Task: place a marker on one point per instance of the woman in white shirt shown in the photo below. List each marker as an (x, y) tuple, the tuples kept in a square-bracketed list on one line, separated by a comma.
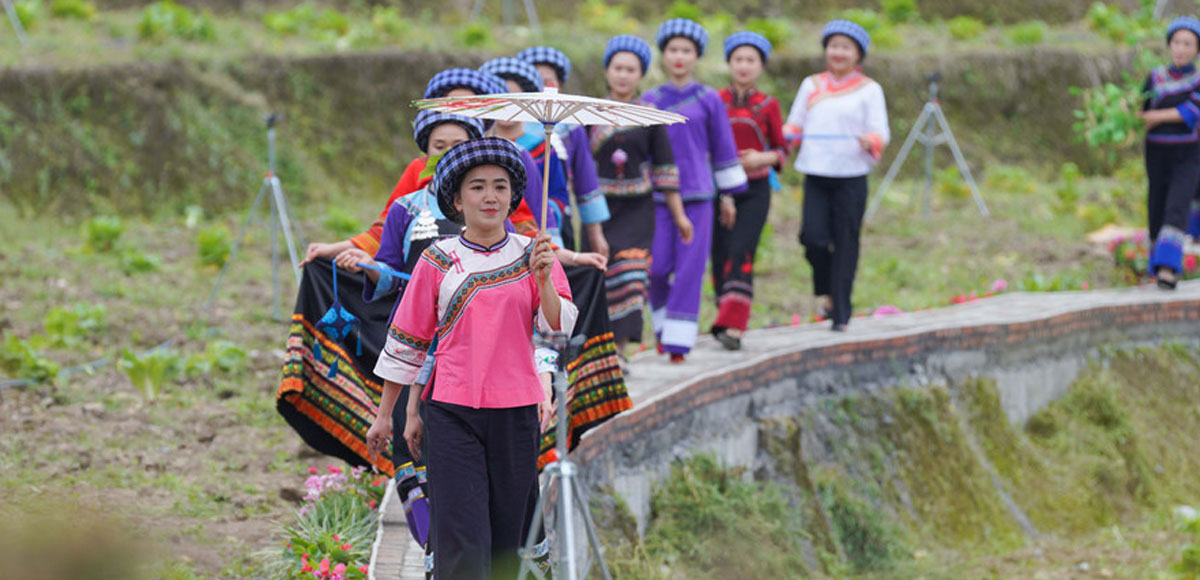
[(841, 119)]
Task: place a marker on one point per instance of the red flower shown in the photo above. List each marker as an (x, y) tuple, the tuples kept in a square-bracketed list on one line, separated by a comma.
[(363, 568), (1189, 263), (1084, 286), (378, 481), (335, 538), (324, 569), (1130, 255), (334, 469), (346, 547), (306, 566), (313, 470), (371, 504)]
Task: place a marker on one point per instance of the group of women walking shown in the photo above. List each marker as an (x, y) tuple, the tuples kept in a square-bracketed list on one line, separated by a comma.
[(444, 385)]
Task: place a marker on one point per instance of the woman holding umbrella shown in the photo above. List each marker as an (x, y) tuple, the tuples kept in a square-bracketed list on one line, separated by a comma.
[(481, 294), (707, 159)]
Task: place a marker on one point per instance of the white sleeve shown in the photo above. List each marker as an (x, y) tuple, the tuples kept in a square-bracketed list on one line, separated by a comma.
[(800, 105), (877, 117)]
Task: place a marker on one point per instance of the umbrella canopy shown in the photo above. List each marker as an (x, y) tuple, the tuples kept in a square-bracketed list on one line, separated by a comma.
[(550, 108)]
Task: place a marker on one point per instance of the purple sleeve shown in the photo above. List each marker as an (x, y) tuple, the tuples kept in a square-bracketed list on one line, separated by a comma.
[(722, 149), (391, 252), (592, 206)]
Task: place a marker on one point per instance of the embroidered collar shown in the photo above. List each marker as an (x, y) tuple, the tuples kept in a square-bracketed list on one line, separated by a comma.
[(1177, 72), (684, 90), (837, 83), (480, 247), (742, 99)]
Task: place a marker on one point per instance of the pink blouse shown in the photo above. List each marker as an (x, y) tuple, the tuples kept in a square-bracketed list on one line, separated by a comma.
[(483, 303)]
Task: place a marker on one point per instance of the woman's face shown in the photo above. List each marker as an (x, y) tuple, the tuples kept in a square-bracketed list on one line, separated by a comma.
[(623, 74), (445, 136), (745, 65), (485, 197), (549, 75), (1184, 47), (841, 54), (680, 56)]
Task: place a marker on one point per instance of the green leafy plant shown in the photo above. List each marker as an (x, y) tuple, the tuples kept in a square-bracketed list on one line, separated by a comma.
[(340, 223), (870, 20), (213, 245), (73, 9), (103, 232), (1027, 33), (166, 19), (475, 35), (964, 28), (950, 183), (1188, 565), (19, 358), (135, 261), (387, 22), (775, 30), (901, 11), (1066, 193), (69, 327), (1109, 117), (684, 9), (29, 12), (151, 371), (226, 356), (1114, 24)]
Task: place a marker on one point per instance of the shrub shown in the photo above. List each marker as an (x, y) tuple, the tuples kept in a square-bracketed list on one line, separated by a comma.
[(966, 27), (775, 30), (684, 9), (103, 232), (340, 223), (213, 246), (29, 12), (475, 35), (1027, 33), (166, 19), (901, 10), (73, 9), (388, 22), (868, 19)]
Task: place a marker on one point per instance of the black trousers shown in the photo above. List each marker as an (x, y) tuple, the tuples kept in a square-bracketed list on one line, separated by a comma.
[(830, 229), (483, 466), (1173, 172), (733, 253)]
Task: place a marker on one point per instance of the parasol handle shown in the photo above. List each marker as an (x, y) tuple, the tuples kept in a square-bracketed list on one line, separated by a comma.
[(545, 178)]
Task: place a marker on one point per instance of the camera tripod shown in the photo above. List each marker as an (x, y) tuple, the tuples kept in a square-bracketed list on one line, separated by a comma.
[(280, 218), (16, 21), (931, 129), (570, 495)]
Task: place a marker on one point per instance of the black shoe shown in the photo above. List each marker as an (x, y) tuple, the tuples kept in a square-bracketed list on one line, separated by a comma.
[(1167, 279), (726, 340), (839, 327)]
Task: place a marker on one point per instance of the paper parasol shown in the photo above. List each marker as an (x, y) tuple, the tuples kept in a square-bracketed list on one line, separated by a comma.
[(550, 108)]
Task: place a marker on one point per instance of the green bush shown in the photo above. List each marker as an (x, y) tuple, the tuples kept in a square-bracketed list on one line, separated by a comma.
[(475, 35), (966, 27), (340, 223), (73, 9), (684, 9), (387, 22), (213, 245), (1117, 26), (901, 10), (166, 19), (68, 327), (774, 29), (20, 359), (135, 261), (151, 371), (1027, 33), (1067, 191), (29, 12), (103, 232)]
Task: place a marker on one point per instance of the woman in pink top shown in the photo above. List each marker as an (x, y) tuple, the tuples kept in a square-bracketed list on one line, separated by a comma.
[(481, 294)]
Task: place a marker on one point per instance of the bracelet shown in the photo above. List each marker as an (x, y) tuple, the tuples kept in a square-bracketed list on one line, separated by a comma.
[(574, 258)]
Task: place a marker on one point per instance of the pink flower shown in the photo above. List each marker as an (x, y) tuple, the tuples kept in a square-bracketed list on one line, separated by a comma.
[(363, 568), (324, 569), (336, 539), (796, 320), (1189, 263), (334, 469), (1084, 286), (306, 566), (313, 470), (346, 547), (1000, 285), (887, 310), (339, 570)]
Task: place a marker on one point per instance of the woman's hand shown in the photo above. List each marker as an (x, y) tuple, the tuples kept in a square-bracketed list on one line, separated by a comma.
[(597, 261), (1152, 118), (378, 435), (686, 230), (414, 433), (753, 159), (349, 260), (728, 212), (542, 259), (319, 250), (595, 233)]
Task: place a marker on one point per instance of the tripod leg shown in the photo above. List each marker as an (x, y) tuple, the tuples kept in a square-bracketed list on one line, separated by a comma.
[(593, 538), (286, 223), (16, 22), (927, 196), (527, 565), (917, 129), (212, 295), (531, 14), (274, 254), (962, 162)]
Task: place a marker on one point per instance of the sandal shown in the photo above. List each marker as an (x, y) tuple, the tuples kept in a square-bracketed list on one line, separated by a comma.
[(727, 340)]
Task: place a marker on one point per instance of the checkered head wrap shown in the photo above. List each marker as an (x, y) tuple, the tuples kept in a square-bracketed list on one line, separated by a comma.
[(747, 38), (689, 29), (1183, 23), (511, 69), (628, 43), (549, 56), (846, 28), (460, 159), (463, 78), (429, 120)]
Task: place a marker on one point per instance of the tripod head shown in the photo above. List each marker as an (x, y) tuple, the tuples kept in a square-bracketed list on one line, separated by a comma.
[(933, 78), (272, 118)]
